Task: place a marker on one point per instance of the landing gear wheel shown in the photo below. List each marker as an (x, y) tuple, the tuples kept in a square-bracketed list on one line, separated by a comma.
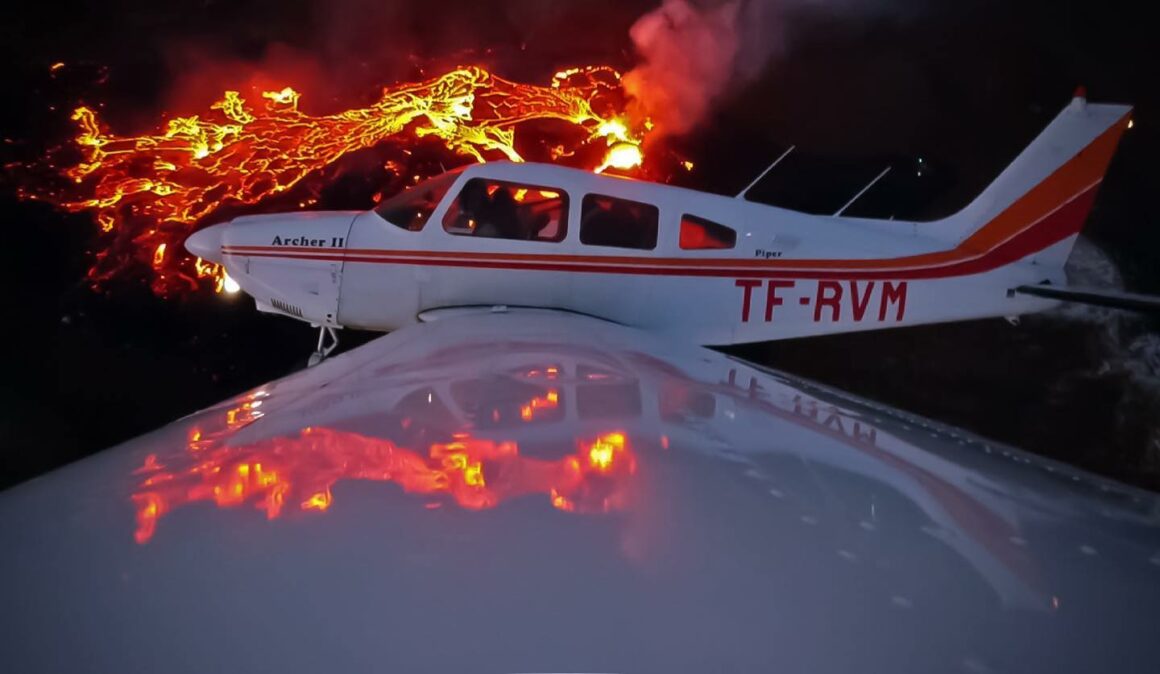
[(325, 347)]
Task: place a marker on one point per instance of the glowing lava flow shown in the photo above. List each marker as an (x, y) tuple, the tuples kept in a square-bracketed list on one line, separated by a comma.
[(300, 471), (147, 192)]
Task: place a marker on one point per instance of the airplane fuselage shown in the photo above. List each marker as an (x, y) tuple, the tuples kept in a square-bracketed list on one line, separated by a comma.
[(787, 275), (712, 269)]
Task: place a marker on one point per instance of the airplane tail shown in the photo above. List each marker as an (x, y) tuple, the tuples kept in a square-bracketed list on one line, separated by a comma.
[(1036, 208)]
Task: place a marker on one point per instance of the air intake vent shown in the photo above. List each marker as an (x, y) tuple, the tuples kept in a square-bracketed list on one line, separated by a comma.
[(285, 307)]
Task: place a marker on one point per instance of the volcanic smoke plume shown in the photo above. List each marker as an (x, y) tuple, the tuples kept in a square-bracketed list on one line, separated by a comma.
[(695, 52), (688, 59)]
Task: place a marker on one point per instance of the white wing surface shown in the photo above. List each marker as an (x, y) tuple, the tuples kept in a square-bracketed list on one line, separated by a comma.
[(536, 491)]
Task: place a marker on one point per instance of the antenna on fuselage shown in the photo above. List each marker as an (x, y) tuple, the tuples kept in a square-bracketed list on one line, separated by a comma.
[(741, 195), (863, 191)]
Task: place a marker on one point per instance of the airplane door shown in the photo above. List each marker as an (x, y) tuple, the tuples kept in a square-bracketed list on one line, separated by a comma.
[(500, 242)]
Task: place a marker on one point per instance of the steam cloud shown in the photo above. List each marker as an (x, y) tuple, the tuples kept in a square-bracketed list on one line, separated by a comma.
[(694, 52), (689, 56)]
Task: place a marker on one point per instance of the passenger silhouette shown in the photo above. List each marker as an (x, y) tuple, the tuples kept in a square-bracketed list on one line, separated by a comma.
[(504, 215)]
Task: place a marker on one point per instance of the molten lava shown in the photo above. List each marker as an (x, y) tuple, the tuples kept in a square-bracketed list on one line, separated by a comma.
[(300, 470), (147, 192)]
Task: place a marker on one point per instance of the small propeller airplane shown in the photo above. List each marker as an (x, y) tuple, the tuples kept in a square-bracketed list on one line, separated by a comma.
[(707, 268)]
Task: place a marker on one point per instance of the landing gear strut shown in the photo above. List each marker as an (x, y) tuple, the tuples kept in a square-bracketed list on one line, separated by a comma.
[(325, 346)]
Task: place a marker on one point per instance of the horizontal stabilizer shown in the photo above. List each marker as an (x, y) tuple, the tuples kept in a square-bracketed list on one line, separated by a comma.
[(1097, 297)]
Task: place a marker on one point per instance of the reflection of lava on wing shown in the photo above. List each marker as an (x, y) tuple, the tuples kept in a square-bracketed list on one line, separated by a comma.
[(152, 189), (299, 471)]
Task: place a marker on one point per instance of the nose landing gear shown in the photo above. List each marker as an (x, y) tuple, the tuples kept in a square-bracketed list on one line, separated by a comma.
[(325, 346)]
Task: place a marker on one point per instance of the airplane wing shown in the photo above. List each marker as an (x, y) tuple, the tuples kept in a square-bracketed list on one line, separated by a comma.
[(535, 491)]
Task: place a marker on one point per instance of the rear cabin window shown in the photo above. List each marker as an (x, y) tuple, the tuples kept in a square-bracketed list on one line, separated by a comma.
[(619, 223), (701, 234), (502, 210), (410, 209), (601, 394)]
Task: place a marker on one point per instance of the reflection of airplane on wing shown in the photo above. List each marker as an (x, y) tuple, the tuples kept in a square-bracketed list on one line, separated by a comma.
[(561, 493), (531, 489), (527, 395), (707, 268)]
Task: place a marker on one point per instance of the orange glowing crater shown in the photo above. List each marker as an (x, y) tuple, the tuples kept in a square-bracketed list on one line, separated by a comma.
[(151, 189), (300, 471)]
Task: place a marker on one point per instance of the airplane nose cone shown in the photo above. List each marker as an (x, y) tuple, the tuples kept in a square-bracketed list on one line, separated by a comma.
[(207, 243)]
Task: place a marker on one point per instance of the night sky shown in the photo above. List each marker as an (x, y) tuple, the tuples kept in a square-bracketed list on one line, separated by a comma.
[(856, 86)]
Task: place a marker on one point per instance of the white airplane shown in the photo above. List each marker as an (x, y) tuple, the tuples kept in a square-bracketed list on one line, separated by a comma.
[(539, 490), (704, 268)]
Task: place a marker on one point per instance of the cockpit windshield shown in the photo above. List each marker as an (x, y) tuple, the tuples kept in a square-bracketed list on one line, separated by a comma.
[(411, 208)]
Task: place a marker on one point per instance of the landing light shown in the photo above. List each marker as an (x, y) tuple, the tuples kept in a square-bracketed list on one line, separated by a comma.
[(229, 285)]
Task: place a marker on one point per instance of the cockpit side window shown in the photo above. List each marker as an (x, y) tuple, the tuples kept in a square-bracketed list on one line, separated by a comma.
[(619, 223), (410, 209), (701, 234), (503, 210)]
